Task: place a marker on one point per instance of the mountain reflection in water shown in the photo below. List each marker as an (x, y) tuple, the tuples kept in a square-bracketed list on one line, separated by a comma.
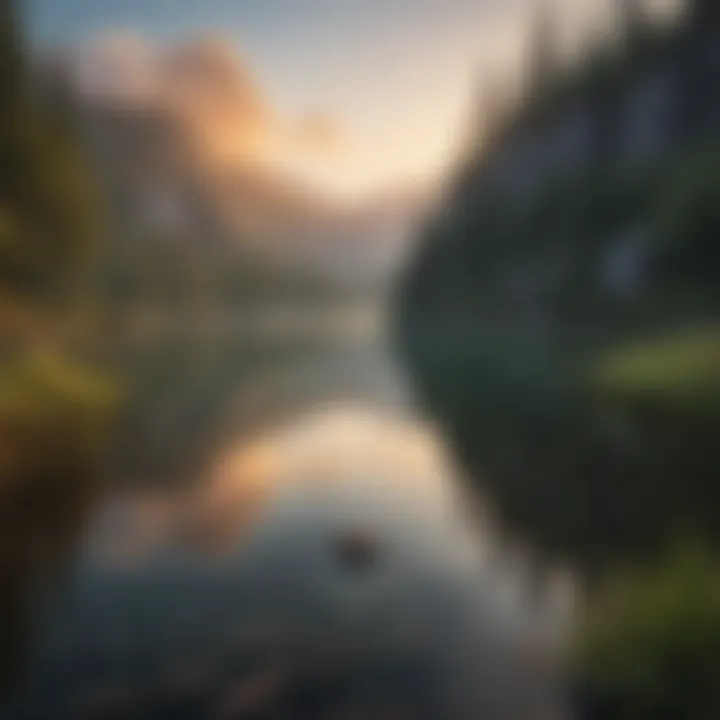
[(224, 596)]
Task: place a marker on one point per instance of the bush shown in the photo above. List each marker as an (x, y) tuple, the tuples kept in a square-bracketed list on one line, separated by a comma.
[(54, 419), (650, 645), (688, 221), (679, 373)]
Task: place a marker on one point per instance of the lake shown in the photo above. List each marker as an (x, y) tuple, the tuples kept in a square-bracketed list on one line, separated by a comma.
[(282, 534)]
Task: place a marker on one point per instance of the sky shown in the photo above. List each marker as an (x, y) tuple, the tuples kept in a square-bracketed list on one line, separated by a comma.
[(403, 78)]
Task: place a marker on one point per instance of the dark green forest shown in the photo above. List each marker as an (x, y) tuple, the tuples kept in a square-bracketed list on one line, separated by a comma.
[(581, 386), (50, 231), (55, 406)]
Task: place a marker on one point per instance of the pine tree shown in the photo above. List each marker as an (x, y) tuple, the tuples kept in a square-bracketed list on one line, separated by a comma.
[(634, 26), (12, 87), (46, 198), (493, 108), (697, 79), (705, 14), (11, 58), (542, 57)]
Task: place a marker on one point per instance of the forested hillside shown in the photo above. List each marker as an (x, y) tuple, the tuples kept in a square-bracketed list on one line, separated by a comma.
[(563, 322), (54, 408), (580, 237)]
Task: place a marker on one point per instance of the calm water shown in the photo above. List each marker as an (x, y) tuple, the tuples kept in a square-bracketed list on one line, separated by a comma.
[(284, 536)]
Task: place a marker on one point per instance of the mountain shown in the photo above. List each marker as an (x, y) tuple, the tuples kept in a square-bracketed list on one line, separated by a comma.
[(188, 147)]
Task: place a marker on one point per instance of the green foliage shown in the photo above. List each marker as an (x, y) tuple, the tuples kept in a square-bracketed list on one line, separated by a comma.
[(41, 383), (594, 431), (584, 423), (53, 414), (688, 219), (48, 221), (678, 373), (54, 419), (650, 645)]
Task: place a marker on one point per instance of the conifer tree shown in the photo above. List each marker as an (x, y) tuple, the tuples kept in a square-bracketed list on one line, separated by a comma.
[(634, 26), (705, 14), (542, 58), (46, 199)]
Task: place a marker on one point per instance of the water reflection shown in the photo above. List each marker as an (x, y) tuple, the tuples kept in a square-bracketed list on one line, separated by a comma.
[(231, 595)]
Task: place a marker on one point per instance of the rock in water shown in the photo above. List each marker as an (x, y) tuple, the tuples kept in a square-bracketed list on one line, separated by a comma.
[(357, 550)]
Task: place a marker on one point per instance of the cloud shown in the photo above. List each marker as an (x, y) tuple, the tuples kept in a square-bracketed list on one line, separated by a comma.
[(205, 89)]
